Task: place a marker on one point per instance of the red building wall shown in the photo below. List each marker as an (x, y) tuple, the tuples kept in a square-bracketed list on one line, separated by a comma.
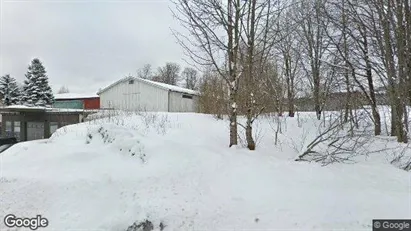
[(92, 103)]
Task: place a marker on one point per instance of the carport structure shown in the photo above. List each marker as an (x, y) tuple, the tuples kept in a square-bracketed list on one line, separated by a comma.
[(31, 123)]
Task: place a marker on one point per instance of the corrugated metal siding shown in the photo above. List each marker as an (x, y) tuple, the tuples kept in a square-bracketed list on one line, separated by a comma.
[(136, 96), (72, 104), (180, 104), (92, 103)]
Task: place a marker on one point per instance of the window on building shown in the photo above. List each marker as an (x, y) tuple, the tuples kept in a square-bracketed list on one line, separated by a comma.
[(9, 130), (131, 81), (187, 96), (17, 129), (53, 127)]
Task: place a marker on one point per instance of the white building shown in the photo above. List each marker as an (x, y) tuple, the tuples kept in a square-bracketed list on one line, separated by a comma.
[(133, 93)]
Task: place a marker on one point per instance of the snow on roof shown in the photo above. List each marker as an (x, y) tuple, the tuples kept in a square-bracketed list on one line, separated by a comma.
[(75, 96), (48, 109), (171, 87), (154, 83), (26, 107), (58, 110)]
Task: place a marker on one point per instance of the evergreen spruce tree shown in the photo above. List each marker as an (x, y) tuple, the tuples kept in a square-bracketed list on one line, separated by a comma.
[(10, 90), (37, 91)]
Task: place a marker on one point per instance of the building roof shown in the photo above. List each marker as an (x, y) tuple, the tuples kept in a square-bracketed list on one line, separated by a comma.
[(153, 83), (24, 108), (75, 96)]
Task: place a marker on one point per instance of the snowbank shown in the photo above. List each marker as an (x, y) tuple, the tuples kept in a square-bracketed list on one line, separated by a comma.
[(177, 169)]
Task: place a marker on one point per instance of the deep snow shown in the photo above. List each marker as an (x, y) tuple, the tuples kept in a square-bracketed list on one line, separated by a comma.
[(177, 169)]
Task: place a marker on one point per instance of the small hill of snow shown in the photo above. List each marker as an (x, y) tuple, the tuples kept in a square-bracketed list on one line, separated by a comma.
[(176, 170)]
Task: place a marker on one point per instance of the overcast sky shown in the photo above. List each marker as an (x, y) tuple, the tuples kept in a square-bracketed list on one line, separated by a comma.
[(86, 44)]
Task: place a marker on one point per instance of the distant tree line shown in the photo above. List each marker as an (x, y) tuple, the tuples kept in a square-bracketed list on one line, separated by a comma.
[(171, 74), (35, 90), (63, 89)]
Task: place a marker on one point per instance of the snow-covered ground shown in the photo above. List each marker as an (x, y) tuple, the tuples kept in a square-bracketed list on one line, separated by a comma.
[(177, 169)]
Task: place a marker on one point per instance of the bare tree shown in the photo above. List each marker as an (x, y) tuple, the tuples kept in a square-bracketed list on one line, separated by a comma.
[(258, 39), (214, 28), (213, 94), (312, 34), (63, 89), (289, 48), (261, 50), (407, 10), (390, 37), (145, 72), (274, 87), (190, 76), (249, 25), (169, 73), (351, 36)]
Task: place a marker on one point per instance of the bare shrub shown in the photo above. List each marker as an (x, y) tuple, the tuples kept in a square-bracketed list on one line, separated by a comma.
[(299, 145), (145, 225), (149, 118), (141, 226), (108, 114), (154, 120), (213, 95), (402, 157), (119, 117), (277, 124), (336, 142), (59, 132), (257, 134), (163, 124)]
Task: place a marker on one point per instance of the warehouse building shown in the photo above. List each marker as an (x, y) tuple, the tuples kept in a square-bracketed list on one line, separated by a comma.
[(77, 101), (136, 94)]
